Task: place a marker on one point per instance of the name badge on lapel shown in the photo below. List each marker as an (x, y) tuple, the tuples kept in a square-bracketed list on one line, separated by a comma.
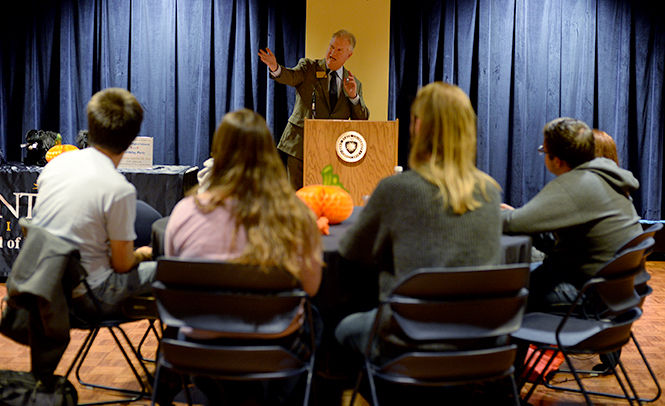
[(320, 74)]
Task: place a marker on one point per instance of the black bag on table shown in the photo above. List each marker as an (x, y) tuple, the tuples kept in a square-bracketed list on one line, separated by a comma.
[(21, 388)]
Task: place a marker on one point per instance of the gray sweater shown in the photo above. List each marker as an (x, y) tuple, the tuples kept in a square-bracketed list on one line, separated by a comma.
[(591, 213), (404, 226)]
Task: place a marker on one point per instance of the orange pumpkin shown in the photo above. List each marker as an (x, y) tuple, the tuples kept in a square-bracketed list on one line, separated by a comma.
[(328, 201), (59, 148)]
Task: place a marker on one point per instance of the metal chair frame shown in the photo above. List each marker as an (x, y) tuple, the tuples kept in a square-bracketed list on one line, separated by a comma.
[(600, 332), (94, 326)]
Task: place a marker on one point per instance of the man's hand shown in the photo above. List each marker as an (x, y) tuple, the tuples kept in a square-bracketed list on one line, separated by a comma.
[(350, 86), (268, 58), (143, 253), (506, 207), (124, 257)]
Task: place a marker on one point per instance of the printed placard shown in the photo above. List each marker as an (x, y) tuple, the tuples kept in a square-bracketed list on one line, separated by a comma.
[(138, 155)]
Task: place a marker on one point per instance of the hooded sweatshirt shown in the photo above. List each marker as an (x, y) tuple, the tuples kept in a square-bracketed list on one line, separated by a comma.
[(590, 212)]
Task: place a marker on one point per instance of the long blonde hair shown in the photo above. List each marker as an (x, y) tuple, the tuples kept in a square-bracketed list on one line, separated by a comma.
[(248, 177), (443, 148)]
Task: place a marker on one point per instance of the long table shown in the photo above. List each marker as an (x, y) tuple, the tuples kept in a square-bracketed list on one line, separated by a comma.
[(161, 187)]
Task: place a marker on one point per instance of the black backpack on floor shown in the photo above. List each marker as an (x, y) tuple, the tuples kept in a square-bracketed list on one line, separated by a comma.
[(21, 388)]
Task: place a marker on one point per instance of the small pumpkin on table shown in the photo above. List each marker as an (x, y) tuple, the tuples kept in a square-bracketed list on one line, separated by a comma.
[(59, 148), (329, 201)]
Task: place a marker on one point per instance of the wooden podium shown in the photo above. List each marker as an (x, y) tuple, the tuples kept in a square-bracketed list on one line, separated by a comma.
[(336, 143)]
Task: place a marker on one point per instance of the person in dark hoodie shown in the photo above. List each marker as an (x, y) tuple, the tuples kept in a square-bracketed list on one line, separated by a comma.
[(587, 208)]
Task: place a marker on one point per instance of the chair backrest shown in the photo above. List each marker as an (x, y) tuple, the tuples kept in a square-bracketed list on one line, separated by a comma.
[(145, 216), (460, 303), (464, 282), (226, 297), (614, 284), (627, 259), (643, 276), (463, 316), (242, 301), (648, 232)]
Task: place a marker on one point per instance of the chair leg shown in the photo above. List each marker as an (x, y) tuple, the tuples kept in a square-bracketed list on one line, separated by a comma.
[(577, 379), (653, 376), (372, 385), (634, 396), (151, 328), (155, 386), (82, 354), (582, 390), (308, 383), (356, 388), (541, 378), (188, 393), (136, 353), (83, 347), (516, 394), (628, 381)]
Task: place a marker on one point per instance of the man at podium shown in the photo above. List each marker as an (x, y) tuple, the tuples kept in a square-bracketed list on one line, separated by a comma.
[(324, 89)]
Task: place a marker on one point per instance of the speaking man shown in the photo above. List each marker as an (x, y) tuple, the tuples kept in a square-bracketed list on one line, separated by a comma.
[(324, 89)]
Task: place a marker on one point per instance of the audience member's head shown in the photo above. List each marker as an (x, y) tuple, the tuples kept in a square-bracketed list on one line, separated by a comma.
[(570, 140), (114, 119), (248, 175), (245, 158), (605, 146), (443, 138)]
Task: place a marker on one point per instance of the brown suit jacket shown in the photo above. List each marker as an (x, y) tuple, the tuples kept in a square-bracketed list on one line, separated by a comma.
[(310, 77)]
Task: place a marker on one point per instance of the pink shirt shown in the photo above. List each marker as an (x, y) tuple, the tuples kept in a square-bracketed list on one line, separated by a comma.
[(192, 234)]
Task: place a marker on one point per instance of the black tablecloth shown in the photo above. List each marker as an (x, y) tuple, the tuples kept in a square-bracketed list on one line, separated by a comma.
[(160, 186)]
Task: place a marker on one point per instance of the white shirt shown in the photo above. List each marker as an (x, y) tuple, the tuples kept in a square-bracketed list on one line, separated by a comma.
[(83, 199)]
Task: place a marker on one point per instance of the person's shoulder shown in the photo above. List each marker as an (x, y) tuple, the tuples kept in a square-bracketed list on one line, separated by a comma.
[(405, 182), (185, 204), (492, 187)]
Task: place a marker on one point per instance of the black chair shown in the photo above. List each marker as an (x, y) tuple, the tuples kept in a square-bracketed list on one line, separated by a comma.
[(233, 299), (598, 322), (42, 258), (145, 216), (641, 287), (142, 307), (473, 310), (643, 277)]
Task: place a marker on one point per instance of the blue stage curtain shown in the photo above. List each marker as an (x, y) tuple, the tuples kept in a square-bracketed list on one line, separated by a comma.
[(187, 62), (526, 62)]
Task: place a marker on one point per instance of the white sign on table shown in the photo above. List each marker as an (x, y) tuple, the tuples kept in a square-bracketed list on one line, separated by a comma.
[(138, 155)]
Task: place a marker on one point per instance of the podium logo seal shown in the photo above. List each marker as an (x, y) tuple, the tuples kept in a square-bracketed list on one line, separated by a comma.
[(351, 146)]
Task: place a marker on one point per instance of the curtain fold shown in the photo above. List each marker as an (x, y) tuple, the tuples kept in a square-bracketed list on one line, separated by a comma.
[(187, 62), (524, 63)]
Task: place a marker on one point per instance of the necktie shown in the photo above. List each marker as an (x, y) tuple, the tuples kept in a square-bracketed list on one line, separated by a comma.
[(333, 89)]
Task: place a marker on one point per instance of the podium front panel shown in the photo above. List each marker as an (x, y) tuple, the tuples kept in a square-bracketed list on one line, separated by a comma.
[(358, 178)]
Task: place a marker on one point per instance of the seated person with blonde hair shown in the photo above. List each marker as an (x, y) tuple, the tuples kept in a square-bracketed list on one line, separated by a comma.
[(247, 212)]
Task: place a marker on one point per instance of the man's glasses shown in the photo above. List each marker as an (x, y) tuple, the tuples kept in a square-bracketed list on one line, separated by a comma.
[(541, 150)]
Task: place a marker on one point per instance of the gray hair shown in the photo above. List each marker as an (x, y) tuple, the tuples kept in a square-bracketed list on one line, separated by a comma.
[(347, 36)]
